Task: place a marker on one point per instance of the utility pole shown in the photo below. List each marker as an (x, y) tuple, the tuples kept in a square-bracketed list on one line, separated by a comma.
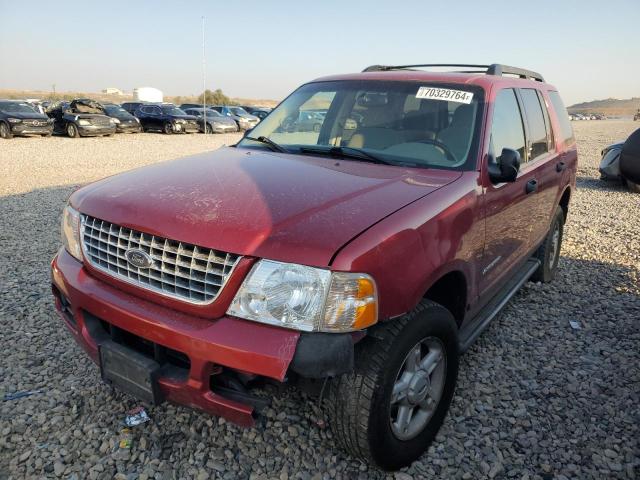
[(204, 80)]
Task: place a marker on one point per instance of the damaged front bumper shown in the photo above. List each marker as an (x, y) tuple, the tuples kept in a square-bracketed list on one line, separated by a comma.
[(190, 351)]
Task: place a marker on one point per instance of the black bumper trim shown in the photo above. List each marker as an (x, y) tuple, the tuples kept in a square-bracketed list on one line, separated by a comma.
[(320, 355)]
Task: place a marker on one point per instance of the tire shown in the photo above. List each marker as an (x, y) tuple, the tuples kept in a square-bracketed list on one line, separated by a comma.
[(5, 131), (359, 404), (208, 129), (167, 128), (72, 131), (549, 252), (633, 187)]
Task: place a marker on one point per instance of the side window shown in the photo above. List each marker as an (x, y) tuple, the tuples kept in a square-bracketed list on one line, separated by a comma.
[(507, 130), (538, 143), (144, 110), (566, 130), (551, 145)]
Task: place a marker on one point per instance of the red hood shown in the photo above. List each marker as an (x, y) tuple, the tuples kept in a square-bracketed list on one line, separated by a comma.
[(280, 206)]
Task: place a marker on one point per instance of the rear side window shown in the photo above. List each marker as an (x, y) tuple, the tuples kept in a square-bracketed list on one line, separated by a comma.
[(538, 144), (506, 129), (566, 130)]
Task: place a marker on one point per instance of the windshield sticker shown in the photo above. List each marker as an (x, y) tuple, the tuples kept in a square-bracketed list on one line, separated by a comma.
[(446, 94)]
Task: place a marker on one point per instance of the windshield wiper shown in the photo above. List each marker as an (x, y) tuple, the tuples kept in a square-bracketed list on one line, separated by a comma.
[(267, 141), (347, 152)]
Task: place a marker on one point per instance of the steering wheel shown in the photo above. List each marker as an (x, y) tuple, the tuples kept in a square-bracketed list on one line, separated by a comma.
[(446, 150)]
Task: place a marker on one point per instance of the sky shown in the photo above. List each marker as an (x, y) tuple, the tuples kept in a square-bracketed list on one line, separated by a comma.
[(589, 49)]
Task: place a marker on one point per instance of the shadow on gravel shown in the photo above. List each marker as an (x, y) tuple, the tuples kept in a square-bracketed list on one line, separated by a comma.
[(592, 183)]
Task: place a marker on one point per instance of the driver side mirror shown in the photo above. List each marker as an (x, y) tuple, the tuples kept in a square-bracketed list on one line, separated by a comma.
[(506, 166)]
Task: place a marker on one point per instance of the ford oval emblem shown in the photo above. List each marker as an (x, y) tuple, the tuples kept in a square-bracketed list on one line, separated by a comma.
[(138, 258)]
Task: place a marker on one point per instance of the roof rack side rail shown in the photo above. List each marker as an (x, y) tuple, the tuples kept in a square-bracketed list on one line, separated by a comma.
[(500, 70), (494, 69)]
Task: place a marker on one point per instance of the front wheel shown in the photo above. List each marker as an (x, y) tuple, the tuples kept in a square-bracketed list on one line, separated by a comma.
[(5, 131), (549, 252), (390, 408), (72, 131), (168, 128)]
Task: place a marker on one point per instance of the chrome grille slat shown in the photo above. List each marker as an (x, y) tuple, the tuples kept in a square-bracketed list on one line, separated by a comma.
[(188, 272)]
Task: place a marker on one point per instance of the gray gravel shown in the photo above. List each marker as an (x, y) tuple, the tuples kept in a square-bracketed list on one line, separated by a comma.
[(536, 398)]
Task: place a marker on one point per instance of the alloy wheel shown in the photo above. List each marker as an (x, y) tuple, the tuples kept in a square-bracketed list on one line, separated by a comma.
[(418, 388)]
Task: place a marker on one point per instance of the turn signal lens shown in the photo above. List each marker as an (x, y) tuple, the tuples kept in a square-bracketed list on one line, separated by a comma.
[(352, 303)]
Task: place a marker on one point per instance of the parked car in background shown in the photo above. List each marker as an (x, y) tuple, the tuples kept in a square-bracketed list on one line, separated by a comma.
[(636, 117), (131, 107), (244, 120), (81, 118), (167, 118), (125, 122), (306, 121), (259, 112), (18, 118), (216, 122), (363, 260), (610, 163)]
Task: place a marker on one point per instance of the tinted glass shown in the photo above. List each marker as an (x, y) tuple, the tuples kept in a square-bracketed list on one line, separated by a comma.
[(538, 144), (506, 129), (403, 123), (16, 107), (566, 130)]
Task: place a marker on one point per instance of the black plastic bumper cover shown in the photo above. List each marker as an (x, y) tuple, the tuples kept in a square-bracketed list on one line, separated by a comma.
[(320, 355)]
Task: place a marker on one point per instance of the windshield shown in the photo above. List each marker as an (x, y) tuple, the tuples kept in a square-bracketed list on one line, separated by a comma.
[(115, 110), (172, 110), (16, 107), (415, 123), (238, 111)]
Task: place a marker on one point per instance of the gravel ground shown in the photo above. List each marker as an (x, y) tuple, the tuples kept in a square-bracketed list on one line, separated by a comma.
[(536, 398)]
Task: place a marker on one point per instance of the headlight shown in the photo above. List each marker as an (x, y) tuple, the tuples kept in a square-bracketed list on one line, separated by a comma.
[(71, 232), (14, 120), (115, 120), (306, 298), (84, 122), (137, 119)]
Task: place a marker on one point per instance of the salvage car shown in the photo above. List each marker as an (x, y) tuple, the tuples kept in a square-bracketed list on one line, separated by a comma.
[(81, 118), (166, 118), (215, 121), (244, 120), (611, 159), (125, 122), (20, 118), (360, 262)]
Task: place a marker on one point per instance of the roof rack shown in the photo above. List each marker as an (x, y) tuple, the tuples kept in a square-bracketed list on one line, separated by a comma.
[(493, 69)]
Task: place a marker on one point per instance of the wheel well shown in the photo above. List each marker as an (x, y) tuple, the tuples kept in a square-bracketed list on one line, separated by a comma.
[(564, 202), (450, 291)]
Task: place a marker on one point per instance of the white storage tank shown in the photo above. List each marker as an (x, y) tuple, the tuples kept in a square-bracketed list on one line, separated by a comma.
[(147, 94)]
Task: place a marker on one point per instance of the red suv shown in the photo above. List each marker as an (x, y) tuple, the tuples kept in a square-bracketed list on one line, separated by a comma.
[(360, 257)]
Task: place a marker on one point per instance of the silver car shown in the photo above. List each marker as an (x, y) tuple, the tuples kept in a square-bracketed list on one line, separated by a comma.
[(245, 120), (216, 122)]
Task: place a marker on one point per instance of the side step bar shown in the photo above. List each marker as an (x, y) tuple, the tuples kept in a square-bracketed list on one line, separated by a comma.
[(481, 321)]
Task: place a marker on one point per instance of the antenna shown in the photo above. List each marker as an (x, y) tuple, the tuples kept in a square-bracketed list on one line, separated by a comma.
[(204, 80)]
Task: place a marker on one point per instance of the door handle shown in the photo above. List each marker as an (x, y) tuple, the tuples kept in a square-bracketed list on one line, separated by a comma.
[(560, 166), (532, 186)]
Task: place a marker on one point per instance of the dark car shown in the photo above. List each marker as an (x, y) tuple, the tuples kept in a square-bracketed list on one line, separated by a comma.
[(19, 118), (125, 122), (362, 259), (131, 107), (167, 118), (260, 112), (81, 118), (216, 122), (612, 161)]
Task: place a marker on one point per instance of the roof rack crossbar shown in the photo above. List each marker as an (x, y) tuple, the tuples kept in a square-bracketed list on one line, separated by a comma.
[(496, 69)]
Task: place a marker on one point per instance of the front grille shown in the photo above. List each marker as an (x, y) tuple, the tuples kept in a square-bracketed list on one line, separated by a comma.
[(100, 121), (180, 270), (35, 123)]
